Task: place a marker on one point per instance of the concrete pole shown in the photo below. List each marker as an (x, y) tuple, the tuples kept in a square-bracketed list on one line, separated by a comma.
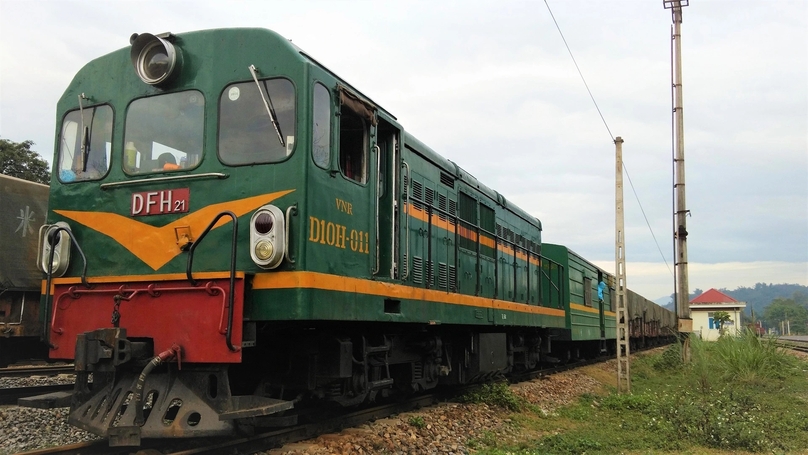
[(680, 234), (620, 294)]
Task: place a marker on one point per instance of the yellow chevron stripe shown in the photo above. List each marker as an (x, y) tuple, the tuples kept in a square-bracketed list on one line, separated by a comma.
[(157, 245)]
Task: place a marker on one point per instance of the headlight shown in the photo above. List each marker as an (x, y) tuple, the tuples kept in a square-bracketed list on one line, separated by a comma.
[(267, 237), (59, 243), (153, 57), (263, 249)]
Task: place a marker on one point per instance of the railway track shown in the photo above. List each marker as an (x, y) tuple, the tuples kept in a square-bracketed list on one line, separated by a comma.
[(250, 444), (36, 370), (277, 438), (794, 345), (9, 396)]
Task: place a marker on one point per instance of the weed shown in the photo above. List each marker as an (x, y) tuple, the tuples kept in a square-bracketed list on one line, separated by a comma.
[(417, 422), (497, 394)]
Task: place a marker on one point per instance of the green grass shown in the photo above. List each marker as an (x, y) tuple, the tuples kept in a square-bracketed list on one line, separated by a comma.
[(497, 394), (738, 394)]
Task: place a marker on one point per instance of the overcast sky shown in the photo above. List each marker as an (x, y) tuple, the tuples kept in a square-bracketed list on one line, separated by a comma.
[(491, 86)]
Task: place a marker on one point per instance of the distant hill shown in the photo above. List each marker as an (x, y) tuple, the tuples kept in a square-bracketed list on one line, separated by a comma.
[(760, 296), (757, 297), (666, 302)]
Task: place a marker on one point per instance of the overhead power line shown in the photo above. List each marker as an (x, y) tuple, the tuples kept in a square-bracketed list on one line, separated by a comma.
[(646, 219), (636, 196), (579, 71)]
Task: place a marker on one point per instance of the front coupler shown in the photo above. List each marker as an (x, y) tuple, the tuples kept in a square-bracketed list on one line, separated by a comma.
[(136, 394)]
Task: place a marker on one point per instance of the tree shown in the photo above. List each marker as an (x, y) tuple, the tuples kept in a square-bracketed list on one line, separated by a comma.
[(720, 318), (18, 160), (787, 310)]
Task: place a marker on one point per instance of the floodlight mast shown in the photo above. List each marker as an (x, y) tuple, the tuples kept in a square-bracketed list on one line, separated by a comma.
[(681, 212)]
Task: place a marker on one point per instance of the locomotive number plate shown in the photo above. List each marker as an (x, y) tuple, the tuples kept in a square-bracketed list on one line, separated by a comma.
[(160, 202)]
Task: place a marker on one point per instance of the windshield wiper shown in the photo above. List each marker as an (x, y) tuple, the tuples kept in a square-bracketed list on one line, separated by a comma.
[(267, 104), (85, 136)]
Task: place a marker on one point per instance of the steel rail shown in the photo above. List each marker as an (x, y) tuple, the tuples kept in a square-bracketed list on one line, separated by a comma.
[(10, 396), (41, 370), (277, 438)]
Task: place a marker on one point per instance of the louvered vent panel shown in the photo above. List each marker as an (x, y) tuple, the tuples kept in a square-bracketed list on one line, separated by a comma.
[(452, 278), (430, 197), (452, 212), (417, 194), (447, 180), (443, 275), (432, 274), (442, 206), (417, 270)]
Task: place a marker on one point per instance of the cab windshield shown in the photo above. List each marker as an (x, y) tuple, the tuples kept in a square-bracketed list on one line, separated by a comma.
[(164, 133), (251, 131), (85, 144)]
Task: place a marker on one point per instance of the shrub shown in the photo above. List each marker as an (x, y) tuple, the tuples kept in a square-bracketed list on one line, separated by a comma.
[(497, 394)]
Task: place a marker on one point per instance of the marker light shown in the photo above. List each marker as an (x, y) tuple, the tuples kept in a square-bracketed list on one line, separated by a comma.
[(153, 57), (263, 222), (60, 243), (267, 237)]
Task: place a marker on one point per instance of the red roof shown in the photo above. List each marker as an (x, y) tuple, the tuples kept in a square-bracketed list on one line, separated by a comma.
[(713, 296)]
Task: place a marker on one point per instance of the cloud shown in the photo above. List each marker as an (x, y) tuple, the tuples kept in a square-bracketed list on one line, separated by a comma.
[(655, 280), (491, 87)]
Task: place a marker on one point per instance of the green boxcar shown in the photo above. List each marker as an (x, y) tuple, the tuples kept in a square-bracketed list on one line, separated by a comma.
[(589, 319)]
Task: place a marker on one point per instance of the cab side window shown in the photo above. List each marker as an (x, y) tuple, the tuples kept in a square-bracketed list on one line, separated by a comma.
[(352, 145), (321, 126), (356, 116)]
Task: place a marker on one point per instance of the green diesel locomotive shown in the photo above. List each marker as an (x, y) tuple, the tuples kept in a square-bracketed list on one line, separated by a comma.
[(235, 231)]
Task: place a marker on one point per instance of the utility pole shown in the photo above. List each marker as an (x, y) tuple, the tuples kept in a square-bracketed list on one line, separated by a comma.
[(680, 226), (623, 367)]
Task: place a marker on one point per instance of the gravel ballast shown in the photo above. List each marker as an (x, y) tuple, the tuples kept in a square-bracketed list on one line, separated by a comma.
[(447, 428)]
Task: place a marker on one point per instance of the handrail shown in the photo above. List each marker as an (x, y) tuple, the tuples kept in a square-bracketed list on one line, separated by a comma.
[(289, 211), (231, 297), (73, 241), (378, 150), (407, 217), (218, 175)]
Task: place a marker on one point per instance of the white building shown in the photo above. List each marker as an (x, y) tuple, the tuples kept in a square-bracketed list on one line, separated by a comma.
[(703, 307)]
